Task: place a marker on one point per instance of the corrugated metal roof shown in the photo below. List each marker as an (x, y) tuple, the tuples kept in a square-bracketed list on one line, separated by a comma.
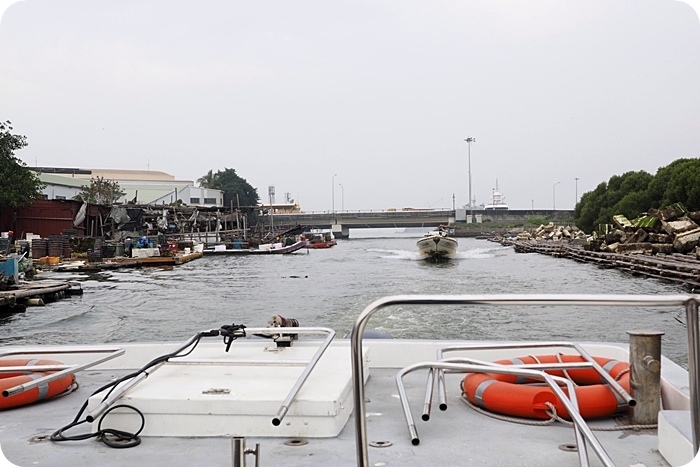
[(62, 180)]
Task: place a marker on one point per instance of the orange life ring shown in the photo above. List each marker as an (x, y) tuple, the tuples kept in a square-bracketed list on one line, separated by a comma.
[(44, 391), (510, 395)]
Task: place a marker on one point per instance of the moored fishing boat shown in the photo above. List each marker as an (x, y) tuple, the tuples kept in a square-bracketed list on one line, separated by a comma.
[(304, 401), (277, 248), (321, 238), (437, 245)]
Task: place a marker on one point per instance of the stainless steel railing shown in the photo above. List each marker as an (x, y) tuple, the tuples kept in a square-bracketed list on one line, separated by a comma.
[(524, 345), (582, 431), (689, 302), (59, 370)]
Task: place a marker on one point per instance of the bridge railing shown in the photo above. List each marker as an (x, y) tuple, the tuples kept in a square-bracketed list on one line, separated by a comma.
[(367, 214)]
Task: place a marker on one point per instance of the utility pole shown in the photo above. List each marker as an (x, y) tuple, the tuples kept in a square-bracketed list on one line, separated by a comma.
[(333, 194), (469, 141)]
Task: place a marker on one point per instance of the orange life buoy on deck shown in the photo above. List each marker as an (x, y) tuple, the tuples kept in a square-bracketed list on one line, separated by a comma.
[(510, 395), (44, 391)]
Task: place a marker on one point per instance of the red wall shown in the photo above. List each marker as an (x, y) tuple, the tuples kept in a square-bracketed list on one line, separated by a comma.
[(44, 217)]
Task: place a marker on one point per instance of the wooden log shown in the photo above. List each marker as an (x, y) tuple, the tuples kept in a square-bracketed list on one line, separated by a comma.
[(679, 268)]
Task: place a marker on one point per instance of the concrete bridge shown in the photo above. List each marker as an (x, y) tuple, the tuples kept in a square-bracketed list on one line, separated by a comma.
[(342, 221)]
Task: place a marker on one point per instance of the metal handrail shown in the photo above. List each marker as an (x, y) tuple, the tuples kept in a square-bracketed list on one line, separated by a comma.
[(570, 403), (533, 366), (530, 345), (689, 302), (113, 352)]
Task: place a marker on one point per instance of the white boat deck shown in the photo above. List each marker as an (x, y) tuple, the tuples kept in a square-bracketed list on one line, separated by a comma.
[(458, 436)]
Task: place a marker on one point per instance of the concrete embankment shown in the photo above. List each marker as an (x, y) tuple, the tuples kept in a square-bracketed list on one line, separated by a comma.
[(676, 267)]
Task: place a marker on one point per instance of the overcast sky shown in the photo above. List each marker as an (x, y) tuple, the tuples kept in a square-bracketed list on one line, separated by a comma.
[(381, 93)]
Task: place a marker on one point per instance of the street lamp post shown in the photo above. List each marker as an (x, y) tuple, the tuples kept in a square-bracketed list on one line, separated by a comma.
[(333, 194), (469, 141), (342, 197), (554, 198), (576, 199)]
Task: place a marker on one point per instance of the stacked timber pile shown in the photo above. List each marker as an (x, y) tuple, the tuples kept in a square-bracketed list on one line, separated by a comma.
[(662, 244)]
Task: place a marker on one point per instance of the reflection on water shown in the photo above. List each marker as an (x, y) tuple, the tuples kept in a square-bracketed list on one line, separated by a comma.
[(331, 288)]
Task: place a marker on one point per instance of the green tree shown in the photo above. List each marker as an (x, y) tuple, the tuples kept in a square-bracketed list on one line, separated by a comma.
[(206, 181), (677, 183), (20, 185), (237, 190), (634, 193), (633, 197), (100, 191), (625, 194), (588, 209)]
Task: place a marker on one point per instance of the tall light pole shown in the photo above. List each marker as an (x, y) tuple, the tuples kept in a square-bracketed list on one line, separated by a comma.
[(271, 196), (469, 141), (333, 193), (576, 199), (342, 197), (554, 198)]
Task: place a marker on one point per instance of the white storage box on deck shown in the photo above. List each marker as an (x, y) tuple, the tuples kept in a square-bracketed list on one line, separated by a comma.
[(145, 252), (214, 393)]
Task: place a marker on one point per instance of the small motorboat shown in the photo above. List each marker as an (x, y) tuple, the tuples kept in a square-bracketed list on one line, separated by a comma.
[(278, 248), (437, 245), (320, 238)]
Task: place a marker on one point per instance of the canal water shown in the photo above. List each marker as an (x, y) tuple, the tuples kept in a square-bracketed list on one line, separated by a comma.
[(331, 287)]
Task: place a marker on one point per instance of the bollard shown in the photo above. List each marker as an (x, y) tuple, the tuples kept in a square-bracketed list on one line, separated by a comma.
[(645, 377), (238, 451)]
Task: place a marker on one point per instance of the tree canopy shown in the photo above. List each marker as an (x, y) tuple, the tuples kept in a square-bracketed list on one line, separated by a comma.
[(20, 185), (237, 190), (100, 191), (206, 181), (634, 193)]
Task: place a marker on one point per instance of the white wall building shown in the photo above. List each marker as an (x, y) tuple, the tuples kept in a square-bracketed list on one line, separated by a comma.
[(139, 186), (61, 187), (193, 196)]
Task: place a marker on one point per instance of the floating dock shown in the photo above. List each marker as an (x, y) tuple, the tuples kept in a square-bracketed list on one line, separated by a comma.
[(180, 258), (123, 262), (36, 293)]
